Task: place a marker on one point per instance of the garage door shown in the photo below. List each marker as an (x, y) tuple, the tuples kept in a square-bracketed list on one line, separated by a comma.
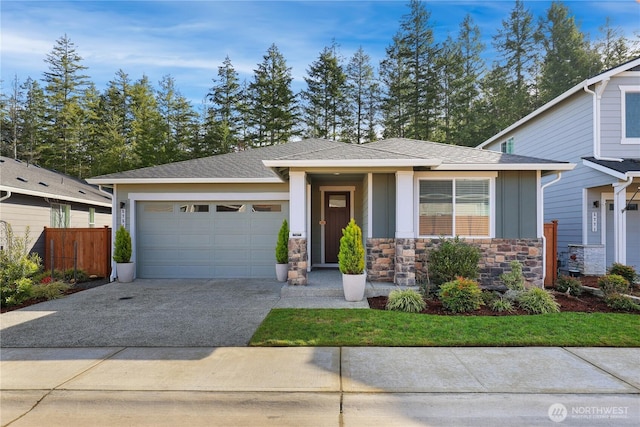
[(208, 239)]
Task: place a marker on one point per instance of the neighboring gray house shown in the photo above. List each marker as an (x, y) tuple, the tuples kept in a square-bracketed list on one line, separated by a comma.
[(219, 216), (595, 124), (34, 197)]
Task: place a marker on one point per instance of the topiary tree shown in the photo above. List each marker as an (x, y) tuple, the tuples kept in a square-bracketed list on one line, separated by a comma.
[(122, 250), (351, 255), (282, 245)]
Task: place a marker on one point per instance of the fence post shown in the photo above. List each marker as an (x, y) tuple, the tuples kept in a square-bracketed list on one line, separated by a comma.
[(52, 257), (75, 261)]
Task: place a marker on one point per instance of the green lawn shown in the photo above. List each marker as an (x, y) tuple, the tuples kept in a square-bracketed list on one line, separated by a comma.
[(338, 327)]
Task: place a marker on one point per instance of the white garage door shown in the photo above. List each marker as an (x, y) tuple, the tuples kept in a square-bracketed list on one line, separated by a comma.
[(208, 239)]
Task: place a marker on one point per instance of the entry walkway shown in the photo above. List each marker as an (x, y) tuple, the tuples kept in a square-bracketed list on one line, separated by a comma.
[(325, 386)]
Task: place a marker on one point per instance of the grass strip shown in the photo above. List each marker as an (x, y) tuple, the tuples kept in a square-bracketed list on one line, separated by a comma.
[(338, 327)]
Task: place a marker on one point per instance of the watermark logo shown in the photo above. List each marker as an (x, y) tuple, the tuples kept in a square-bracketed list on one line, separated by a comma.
[(557, 412)]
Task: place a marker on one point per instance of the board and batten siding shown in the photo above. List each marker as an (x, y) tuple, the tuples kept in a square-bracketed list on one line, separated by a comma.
[(384, 205), (611, 119), (516, 213)]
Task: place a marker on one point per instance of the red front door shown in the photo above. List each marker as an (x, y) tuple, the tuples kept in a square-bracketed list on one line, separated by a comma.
[(337, 211)]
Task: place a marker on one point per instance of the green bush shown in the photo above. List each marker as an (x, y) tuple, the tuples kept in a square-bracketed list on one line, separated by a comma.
[(500, 305), (613, 284), (461, 295), (282, 245), (622, 303), (538, 301), (407, 300), (454, 258), (625, 271), (514, 279), (17, 267), (80, 275), (351, 254), (569, 284), (122, 250), (49, 291), (489, 298)]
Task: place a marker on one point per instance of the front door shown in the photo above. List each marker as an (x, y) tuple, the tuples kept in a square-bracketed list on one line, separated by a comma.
[(337, 212)]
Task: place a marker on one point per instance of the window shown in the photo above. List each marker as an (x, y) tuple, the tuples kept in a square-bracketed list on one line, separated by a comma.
[(92, 217), (630, 114), (507, 146), (60, 215), (230, 208), (451, 207), (337, 200), (194, 208), (266, 208)]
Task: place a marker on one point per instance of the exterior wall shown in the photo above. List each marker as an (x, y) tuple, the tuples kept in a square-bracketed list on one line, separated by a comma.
[(384, 205), (516, 213), (22, 211), (611, 119), (297, 262), (496, 256), (587, 259)]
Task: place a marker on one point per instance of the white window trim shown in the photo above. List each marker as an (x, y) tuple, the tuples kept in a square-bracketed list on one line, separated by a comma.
[(430, 176), (623, 116)]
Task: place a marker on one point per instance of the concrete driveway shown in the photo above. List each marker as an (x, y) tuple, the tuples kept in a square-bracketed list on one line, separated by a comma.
[(146, 313)]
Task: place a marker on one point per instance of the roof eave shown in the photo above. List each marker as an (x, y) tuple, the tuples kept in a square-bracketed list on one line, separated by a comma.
[(508, 166), (112, 181), (54, 196), (609, 171), (359, 163)]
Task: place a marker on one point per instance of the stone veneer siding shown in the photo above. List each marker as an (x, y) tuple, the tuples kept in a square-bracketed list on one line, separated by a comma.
[(589, 260), (411, 262), (297, 261)]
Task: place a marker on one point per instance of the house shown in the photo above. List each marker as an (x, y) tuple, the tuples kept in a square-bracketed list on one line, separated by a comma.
[(219, 216), (595, 124), (34, 197)]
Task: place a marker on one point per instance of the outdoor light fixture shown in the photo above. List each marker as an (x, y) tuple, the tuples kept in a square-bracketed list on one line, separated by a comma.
[(122, 205)]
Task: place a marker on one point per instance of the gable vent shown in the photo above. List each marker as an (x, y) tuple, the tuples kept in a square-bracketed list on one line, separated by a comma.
[(22, 179), (44, 184)]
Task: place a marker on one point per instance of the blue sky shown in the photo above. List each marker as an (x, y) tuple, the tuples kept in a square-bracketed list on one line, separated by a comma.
[(190, 39)]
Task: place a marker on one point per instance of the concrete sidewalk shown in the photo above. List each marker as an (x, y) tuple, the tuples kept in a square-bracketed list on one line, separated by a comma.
[(324, 386)]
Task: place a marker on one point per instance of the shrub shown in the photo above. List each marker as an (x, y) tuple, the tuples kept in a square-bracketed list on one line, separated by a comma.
[(613, 284), (500, 305), (489, 298), (351, 254), (454, 258), (538, 301), (625, 271), (461, 295), (50, 291), (122, 249), (512, 295), (514, 279), (569, 284), (407, 300), (17, 267), (80, 275), (282, 245), (622, 303)]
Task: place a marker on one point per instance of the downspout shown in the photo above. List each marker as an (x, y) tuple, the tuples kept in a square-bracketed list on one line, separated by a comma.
[(6, 196), (619, 223), (597, 96), (544, 238)]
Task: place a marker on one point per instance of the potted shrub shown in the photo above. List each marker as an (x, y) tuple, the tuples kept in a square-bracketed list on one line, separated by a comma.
[(125, 269), (351, 262), (282, 252)]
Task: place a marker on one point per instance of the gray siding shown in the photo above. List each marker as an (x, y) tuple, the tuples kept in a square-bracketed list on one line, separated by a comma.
[(384, 205), (611, 119), (516, 205)]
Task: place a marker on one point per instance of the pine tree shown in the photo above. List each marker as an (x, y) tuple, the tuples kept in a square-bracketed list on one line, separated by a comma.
[(568, 57), (32, 120), (271, 106), (223, 116), (12, 105), (65, 84), (395, 99), (146, 127), (361, 90), (326, 109), (613, 47)]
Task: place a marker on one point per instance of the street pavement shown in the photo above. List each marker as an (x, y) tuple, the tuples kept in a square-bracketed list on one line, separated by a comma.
[(81, 376)]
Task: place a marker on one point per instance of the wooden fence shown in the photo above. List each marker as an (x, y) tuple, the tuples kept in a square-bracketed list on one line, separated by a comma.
[(87, 249), (551, 252)]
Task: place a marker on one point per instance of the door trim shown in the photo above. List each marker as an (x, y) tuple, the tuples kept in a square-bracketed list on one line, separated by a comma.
[(323, 190)]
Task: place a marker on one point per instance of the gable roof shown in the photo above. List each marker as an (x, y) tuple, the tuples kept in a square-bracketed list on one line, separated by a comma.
[(621, 170), (24, 178), (580, 87), (266, 164)]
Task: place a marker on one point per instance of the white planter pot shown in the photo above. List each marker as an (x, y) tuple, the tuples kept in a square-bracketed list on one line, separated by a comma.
[(282, 272), (353, 286), (125, 271)]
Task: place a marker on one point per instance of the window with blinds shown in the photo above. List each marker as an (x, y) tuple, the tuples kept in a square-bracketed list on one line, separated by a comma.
[(451, 207)]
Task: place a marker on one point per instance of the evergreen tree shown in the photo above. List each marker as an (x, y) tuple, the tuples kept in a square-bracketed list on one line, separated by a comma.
[(395, 99), (613, 47), (11, 117), (271, 107), (32, 120), (568, 57), (326, 109), (223, 117), (146, 127), (64, 87), (361, 90)]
